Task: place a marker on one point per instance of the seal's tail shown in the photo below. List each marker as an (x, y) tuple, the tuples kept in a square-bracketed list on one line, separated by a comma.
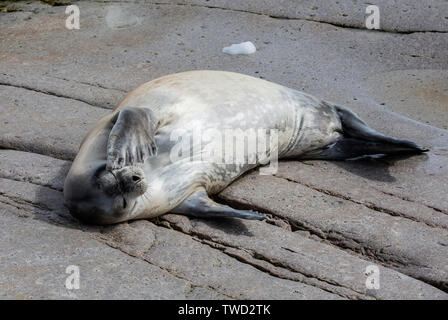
[(360, 140)]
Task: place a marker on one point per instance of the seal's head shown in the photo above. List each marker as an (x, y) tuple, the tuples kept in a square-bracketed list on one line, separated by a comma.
[(102, 196)]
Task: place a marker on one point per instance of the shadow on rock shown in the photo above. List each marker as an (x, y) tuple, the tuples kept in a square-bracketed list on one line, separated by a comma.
[(232, 226), (51, 200), (374, 168)]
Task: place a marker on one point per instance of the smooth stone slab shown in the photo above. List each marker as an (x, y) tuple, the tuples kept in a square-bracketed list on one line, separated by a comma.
[(305, 260), (396, 186), (213, 268), (34, 256), (327, 61), (90, 93), (42, 123), (203, 267), (293, 253), (334, 63), (35, 168), (411, 247), (418, 94), (402, 16)]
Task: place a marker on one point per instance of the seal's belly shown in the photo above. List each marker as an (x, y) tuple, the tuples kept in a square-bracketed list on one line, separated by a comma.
[(216, 105), (226, 100)]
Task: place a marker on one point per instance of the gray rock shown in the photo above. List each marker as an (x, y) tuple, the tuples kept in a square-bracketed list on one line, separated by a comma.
[(330, 62), (309, 266), (409, 16), (38, 169), (411, 247), (418, 94), (34, 256), (327, 215), (384, 185), (216, 274), (211, 267), (44, 123), (293, 256), (89, 93)]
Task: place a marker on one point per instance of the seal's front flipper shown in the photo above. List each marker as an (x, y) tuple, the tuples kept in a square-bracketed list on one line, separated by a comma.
[(200, 205), (131, 139)]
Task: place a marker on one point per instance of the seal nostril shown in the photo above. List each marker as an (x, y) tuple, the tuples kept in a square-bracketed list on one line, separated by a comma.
[(124, 203), (136, 178)]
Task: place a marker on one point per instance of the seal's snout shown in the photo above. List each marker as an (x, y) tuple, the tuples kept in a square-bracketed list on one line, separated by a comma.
[(132, 181)]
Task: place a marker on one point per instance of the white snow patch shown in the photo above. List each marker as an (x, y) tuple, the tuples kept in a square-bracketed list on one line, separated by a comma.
[(240, 48)]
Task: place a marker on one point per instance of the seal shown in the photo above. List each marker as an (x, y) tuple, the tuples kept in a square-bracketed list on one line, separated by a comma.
[(129, 165)]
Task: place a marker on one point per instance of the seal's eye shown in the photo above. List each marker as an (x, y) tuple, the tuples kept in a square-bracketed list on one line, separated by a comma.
[(136, 178)]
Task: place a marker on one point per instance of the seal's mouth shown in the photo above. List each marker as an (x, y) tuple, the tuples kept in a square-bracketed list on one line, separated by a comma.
[(126, 204), (133, 207)]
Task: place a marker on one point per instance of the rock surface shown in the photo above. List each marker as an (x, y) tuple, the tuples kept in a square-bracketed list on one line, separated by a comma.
[(328, 221)]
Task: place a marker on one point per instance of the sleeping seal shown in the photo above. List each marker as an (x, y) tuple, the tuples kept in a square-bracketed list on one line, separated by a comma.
[(129, 165)]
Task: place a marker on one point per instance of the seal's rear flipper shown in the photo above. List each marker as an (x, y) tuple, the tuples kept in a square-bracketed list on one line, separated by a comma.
[(201, 206), (354, 127), (349, 148), (131, 139), (359, 140)]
